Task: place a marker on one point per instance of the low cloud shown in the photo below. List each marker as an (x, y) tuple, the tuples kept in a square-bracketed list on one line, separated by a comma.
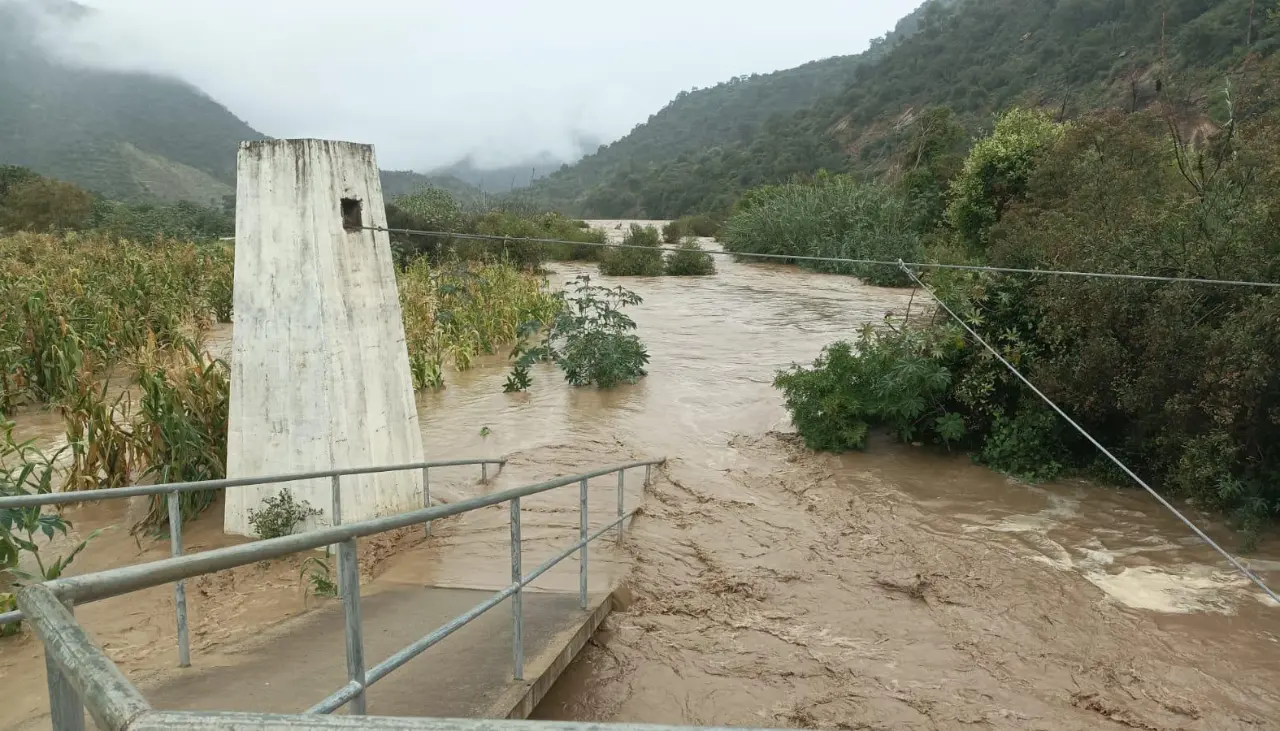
[(432, 81)]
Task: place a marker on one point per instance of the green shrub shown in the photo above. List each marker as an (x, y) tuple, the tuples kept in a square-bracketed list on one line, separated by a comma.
[(836, 216), (634, 262), (889, 380), (538, 226), (280, 515), (590, 339), (690, 260), (997, 171)]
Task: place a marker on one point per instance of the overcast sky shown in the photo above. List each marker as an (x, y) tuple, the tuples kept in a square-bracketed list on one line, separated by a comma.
[(429, 81)]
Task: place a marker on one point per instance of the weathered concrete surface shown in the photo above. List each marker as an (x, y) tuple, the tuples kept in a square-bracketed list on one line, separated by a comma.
[(468, 675), (319, 369)]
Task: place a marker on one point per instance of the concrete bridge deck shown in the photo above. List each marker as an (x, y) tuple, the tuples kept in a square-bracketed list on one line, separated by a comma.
[(467, 675), (300, 661)]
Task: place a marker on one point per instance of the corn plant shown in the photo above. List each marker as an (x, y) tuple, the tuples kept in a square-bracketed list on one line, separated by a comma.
[(75, 305), (181, 428), (458, 311), (24, 470)]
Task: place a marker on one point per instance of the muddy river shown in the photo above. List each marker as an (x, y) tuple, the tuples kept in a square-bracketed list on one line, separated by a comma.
[(900, 588)]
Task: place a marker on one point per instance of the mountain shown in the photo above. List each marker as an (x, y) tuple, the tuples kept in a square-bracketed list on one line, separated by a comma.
[(726, 116), (127, 136), (505, 178), (852, 113)]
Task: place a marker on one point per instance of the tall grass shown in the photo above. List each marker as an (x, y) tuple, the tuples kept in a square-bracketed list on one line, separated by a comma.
[(834, 217), (78, 305), (457, 311)]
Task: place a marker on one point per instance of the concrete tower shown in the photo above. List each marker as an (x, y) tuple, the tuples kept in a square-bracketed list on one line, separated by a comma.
[(319, 369)]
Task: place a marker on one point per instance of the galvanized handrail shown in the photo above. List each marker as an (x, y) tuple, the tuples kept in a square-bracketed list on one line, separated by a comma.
[(174, 489), (85, 672), (80, 675)]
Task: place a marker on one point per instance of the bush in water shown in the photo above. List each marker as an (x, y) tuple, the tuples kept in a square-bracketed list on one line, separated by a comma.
[(690, 260), (634, 262), (590, 339)]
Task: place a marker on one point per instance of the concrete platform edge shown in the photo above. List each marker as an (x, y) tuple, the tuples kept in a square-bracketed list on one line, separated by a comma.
[(520, 701)]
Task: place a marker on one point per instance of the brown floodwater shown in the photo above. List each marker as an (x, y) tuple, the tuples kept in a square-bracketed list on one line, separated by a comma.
[(898, 588)]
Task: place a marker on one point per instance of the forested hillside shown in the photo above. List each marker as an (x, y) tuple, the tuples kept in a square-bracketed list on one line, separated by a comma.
[(126, 136), (696, 123), (975, 56)]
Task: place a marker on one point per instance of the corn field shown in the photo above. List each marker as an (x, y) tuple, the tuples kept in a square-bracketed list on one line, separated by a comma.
[(111, 334), (457, 311), (74, 307)]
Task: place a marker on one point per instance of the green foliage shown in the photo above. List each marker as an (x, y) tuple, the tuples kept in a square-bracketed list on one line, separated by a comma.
[(532, 226), (43, 205), (319, 576), (700, 226), (932, 156), (457, 311), (147, 222), (24, 470), (689, 260), (891, 381), (997, 170), (436, 209), (280, 515), (1031, 445), (181, 428), (590, 339), (29, 202), (1179, 381), (79, 305), (832, 216), (11, 176), (975, 56), (634, 262)]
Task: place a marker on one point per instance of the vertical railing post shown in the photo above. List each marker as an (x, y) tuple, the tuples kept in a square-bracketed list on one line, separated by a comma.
[(179, 586), (484, 471), (648, 475), (349, 588), (426, 497), (622, 478), (517, 599), (349, 578), (66, 710), (582, 538)]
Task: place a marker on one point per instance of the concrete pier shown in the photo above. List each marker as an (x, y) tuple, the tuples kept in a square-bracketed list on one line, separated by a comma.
[(319, 369)]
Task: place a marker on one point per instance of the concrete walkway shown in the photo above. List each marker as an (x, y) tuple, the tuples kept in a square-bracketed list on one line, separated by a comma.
[(467, 675), (299, 662)]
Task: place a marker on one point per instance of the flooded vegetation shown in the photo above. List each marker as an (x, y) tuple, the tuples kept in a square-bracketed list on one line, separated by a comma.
[(900, 587)]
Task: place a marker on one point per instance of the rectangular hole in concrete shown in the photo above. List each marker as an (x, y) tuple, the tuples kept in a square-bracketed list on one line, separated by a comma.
[(352, 220)]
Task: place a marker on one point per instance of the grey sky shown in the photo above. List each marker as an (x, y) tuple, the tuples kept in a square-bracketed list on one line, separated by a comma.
[(429, 81)]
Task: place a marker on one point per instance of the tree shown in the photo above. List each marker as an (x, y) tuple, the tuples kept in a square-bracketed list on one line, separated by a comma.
[(996, 172), (41, 205)]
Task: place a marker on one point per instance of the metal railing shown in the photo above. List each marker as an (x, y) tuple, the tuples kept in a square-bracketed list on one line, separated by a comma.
[(175, 489), (81, 676)]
